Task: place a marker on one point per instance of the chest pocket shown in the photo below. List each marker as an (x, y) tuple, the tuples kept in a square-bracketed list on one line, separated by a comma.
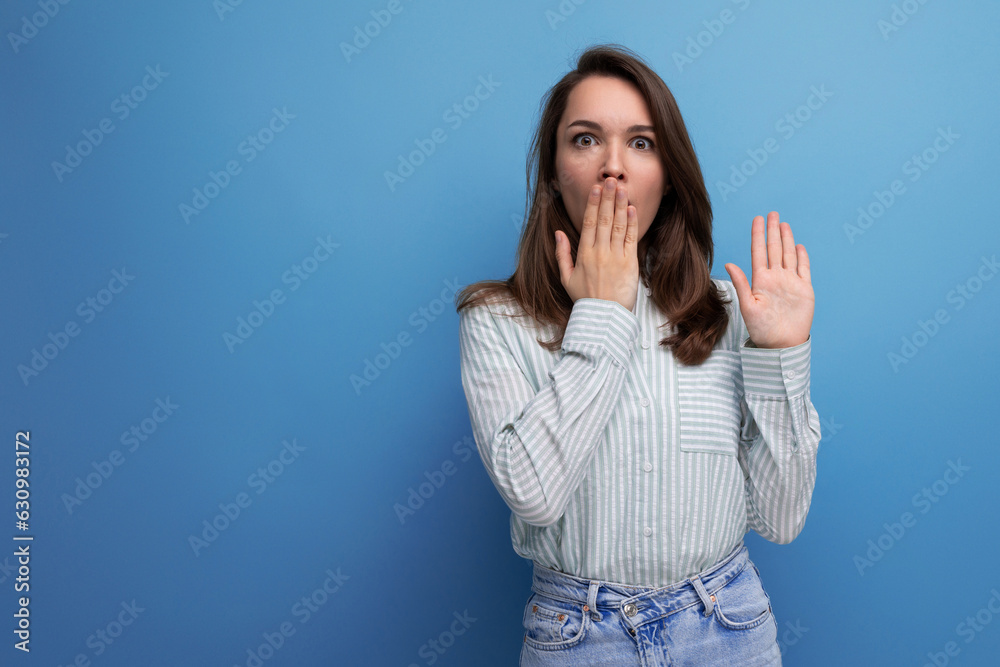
[(709, 401)]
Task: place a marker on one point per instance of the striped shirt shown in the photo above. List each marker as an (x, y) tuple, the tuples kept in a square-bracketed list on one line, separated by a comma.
[(621, 464)]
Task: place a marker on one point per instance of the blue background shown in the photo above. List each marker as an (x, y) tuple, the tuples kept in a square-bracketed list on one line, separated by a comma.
[(890, 430)]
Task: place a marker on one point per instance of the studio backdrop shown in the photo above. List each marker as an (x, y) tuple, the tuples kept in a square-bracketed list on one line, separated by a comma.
[(231, 235)]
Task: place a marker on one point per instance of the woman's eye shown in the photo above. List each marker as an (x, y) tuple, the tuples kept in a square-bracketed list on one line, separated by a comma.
[(642, 143)]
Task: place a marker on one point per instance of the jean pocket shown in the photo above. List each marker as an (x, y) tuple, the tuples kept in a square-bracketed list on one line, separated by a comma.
[(742, 604), (709, 402), (551, 624)]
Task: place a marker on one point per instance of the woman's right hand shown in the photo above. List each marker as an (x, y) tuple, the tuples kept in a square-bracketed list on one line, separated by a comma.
[(607, 263)]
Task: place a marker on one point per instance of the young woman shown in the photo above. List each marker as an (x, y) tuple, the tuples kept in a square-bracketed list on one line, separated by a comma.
[(638, 416)]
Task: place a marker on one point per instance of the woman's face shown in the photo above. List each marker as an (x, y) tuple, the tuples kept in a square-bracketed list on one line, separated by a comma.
[(606, 130)]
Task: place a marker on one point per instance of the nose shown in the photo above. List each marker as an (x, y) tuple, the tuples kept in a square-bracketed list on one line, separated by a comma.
[(613, 165)]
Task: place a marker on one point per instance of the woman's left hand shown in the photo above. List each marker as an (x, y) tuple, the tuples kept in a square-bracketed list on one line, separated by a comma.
[(778, 308)]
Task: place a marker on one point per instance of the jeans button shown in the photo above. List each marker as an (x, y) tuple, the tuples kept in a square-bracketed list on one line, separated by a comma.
[(630, 610)]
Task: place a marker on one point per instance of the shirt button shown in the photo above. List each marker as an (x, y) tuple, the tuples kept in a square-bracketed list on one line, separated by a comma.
[(647, 466), (644, 402), (645, 344), (790, 375), (647, 531), (630, 610)]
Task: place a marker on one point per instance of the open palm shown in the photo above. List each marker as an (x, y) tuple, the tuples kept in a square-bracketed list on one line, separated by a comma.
[(778, 307)]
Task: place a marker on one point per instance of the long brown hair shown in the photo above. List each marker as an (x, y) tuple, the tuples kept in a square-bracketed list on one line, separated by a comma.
[(675, 254)]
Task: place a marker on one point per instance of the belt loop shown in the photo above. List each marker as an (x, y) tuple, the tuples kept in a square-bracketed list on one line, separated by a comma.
[(591, 605), (703, 594)]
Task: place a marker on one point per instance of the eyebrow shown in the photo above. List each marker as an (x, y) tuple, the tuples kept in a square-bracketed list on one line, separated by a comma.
[(594, 126)]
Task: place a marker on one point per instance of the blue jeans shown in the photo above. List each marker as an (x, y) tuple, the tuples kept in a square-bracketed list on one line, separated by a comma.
[(721, 616)]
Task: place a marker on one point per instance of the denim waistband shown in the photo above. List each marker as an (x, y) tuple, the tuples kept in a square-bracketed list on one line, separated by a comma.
[(637, 604)]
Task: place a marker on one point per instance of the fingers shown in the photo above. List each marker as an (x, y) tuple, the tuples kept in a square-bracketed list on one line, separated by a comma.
[(619, 226), (788, 259), (779, 250), (758, 251), (563, 258), (606, 220), (803, 258), (588, 233), (773, 241), (739, 281), (632, 233), (606, 212)]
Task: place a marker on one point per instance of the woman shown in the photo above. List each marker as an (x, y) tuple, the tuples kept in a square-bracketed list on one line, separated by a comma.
[(633, 459)]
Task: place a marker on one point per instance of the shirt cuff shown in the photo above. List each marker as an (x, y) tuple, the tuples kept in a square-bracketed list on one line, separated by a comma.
[(599, 322), (779, 372)]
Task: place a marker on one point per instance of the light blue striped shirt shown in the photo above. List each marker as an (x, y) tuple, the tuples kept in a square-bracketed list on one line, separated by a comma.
[(621, 464)]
